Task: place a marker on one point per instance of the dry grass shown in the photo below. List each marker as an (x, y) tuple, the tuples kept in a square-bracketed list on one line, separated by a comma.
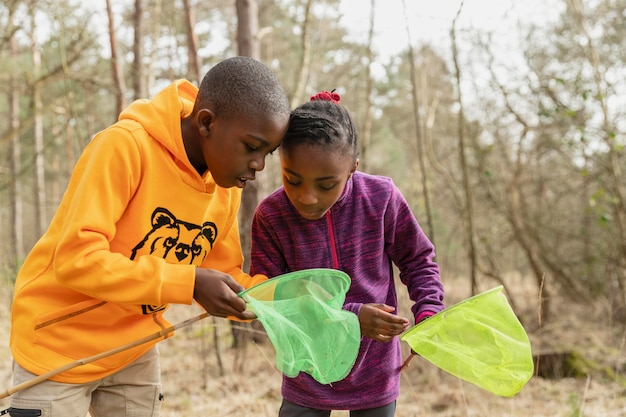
[(250, 384)]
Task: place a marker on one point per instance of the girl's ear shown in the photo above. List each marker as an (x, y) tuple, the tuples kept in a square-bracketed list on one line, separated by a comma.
[(356, 164)]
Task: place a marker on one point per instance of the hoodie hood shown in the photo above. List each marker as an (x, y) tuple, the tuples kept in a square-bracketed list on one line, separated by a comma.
[(161, 115)]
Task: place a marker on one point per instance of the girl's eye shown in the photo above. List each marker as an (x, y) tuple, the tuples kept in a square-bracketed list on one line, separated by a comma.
[(327, 187), (291, 182)]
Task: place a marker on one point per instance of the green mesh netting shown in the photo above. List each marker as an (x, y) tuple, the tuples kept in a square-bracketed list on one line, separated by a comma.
[(302, 314), (479, 340)]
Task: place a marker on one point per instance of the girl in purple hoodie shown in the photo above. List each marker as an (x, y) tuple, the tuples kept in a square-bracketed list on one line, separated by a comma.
[(329, 215)]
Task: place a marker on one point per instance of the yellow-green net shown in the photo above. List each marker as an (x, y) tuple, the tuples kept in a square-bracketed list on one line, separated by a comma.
[(479, 340), (302, 314)]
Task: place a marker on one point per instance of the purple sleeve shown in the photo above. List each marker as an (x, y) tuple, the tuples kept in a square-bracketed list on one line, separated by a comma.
[(413, 253), (353, 307), (265, 256)]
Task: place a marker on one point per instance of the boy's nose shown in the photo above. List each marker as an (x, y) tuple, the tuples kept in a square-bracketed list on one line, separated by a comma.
[(258, 164)]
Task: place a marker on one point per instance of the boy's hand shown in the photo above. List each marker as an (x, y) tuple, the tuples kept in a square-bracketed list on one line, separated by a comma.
[(378, 323), (217, 292)]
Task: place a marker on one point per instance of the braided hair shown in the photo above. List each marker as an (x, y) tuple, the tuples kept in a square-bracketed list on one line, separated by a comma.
[(322, 121)]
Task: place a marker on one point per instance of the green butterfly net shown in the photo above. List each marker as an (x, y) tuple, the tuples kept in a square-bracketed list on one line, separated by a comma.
[(479, 340), (302, 314)]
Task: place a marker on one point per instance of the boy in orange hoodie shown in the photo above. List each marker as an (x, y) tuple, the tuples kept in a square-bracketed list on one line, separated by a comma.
[(149, 218)]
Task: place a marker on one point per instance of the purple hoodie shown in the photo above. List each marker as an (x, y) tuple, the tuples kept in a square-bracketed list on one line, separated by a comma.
[(370, 228)]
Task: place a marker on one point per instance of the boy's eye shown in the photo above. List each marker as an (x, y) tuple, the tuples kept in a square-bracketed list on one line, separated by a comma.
[(251, 148)]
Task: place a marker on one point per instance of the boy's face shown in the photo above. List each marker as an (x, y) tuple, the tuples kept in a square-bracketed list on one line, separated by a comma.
[(235, 149), (314, 177)]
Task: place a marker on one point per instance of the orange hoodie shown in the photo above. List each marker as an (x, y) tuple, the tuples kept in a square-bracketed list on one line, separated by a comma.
[(135, 222)]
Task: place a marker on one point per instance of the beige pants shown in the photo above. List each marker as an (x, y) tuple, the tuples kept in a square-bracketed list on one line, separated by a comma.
[(134, 391)]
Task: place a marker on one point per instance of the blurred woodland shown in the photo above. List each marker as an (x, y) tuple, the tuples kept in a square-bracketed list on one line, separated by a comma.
[(524, 175)]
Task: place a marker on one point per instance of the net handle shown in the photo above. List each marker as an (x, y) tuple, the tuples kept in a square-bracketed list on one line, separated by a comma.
[(161, 334)]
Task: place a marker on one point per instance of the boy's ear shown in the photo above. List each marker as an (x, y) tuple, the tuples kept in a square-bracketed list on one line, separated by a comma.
[(204, 118)]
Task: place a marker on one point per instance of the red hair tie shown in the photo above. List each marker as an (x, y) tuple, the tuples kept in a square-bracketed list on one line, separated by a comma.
[(328, 96)]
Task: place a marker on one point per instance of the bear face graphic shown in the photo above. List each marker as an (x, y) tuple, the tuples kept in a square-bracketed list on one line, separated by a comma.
[(175, 240)]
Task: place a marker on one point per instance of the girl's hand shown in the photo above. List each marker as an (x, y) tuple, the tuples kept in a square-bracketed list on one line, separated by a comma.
[(379, 323)]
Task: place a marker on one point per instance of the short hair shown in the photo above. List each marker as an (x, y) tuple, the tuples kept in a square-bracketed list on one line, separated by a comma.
[(242, 86), (322, 122)]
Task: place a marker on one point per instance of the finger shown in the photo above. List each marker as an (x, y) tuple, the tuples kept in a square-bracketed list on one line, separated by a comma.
[(234, 285), (383, 338), (228, 310), (396, 331), (238, 304), (247, 315), (393, 320), (393, 330), (384, 307), (228, 305), (402, 321), (244, 315)]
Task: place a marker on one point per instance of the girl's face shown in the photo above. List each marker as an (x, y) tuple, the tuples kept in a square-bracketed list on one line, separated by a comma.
[(314, 177)]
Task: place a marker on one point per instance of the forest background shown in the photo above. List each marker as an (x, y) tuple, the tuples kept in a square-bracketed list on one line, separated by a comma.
[(511, 158)]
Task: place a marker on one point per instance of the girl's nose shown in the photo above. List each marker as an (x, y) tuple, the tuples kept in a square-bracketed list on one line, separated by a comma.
[(307, 197)]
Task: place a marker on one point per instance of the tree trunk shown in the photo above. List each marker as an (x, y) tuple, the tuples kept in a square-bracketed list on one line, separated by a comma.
[(248, 45), (304, 63), (468, 212), (55, 189), (116, 65), (192, 44), (248, 28), (39, 188), (139, 84), (418, 134), (155, 16), (367, 119), (16, 243)]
